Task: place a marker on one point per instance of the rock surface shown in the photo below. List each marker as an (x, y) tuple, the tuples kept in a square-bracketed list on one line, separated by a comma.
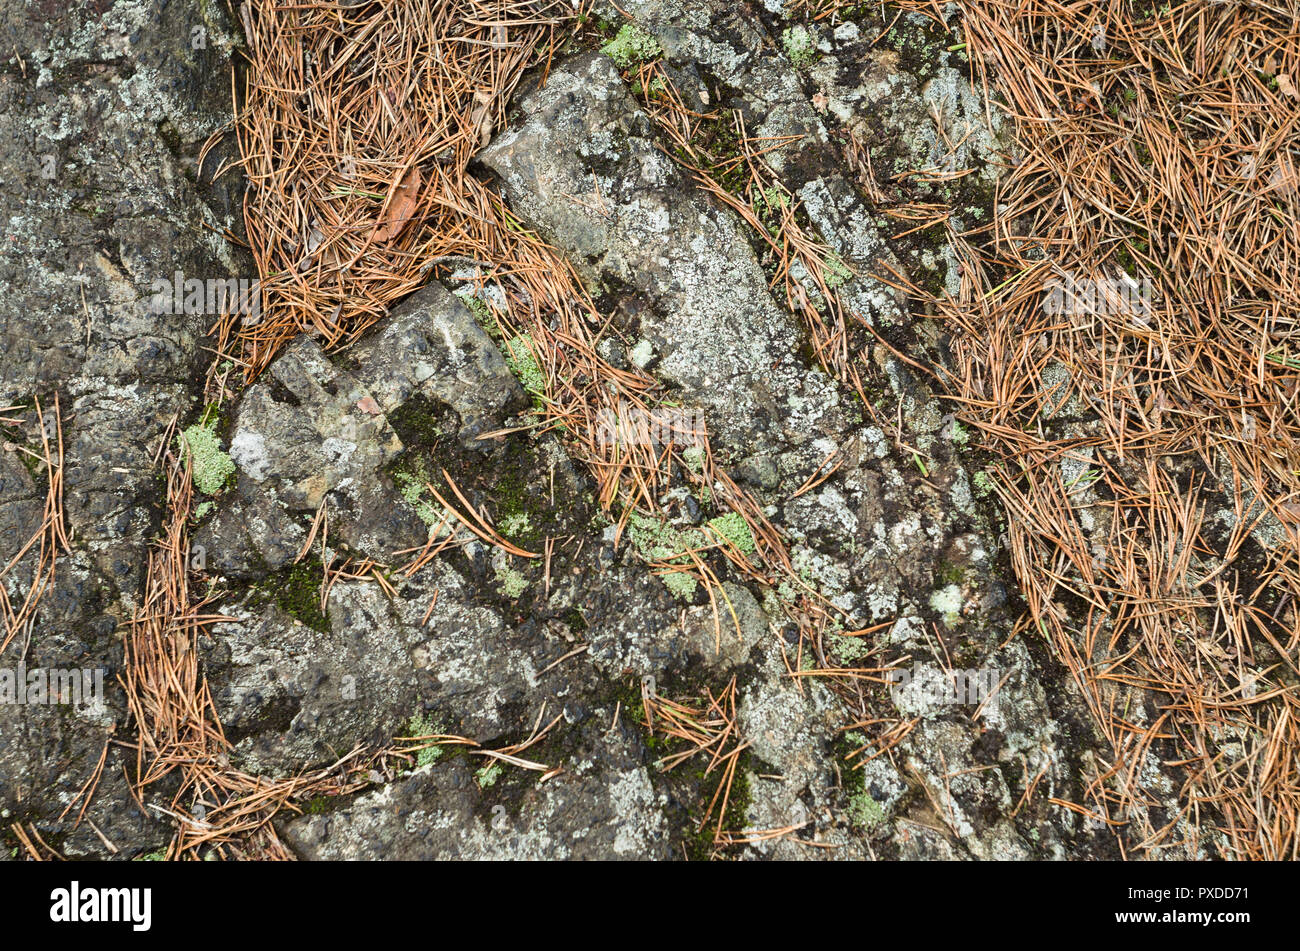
[(336, 455)]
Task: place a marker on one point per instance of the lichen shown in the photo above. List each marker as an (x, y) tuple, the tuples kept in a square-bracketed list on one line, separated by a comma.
[(413, 491), (515, 525), (210, 467), (657, 540), (423, 725), (632, 46), (488, 775), (799, 46), (947, 601), (835, 272), (850, 649), (480, 311), (769, 204), (733, 527), (680, 584), (519, 356), (511, 583), (864, 811)]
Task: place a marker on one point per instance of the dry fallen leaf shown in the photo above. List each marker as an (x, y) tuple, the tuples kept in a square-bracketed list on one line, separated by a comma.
[(401, 206), (481, 116), (367, 404), (1288, 88)]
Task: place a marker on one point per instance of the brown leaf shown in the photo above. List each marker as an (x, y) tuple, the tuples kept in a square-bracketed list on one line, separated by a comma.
[(401, 206), (1288, 88), (480, 117), (367, 404)]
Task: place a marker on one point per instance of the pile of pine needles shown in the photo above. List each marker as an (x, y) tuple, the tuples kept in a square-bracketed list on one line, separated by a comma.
[(1150, 468)]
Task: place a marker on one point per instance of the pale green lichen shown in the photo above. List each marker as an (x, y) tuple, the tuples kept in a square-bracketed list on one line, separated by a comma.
[(488, 775), (799, 46), (632, 45), (681, 585), (864, 810), (960, 435), (835, 272), (422, 725), (479, 309), (642, 353), (769, 205), (519, 356), (656, 540), (515, 524), (734, 529), (413, 491), (210, 467), (851, 649), (947, 601), (511, 583)]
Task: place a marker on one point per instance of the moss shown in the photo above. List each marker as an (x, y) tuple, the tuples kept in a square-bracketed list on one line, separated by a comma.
[(210, 467), (718, 141), (159, 856), (799, 46), (421, 421), (316, 806), (573, 617), (296, 591), (631, 46), (734, 529), (951, 573), (488, 775), (699, 844), (523, 513)]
